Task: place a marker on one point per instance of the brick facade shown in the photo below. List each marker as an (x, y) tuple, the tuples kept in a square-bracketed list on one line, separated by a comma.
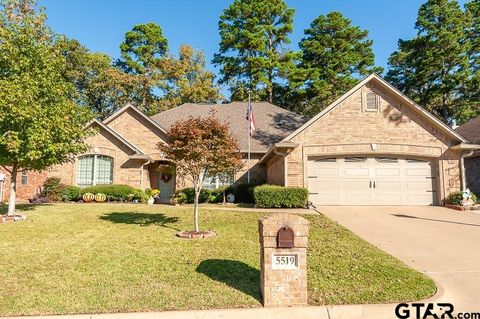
[(397, 130), (25, 191)]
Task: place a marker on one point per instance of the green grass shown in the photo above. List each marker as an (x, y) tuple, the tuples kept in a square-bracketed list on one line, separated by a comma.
[(84, 258)]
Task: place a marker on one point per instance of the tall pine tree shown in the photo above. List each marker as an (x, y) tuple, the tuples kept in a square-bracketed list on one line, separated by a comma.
[(432, 68), (334, 54), (252, 55)]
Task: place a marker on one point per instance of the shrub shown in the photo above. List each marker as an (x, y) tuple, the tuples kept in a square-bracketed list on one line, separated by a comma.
[(72, 194), (455, 198), (117, 192), (206, 195), (38, 199), (179, 197), (53, 189), (272, 196), (243, 192)]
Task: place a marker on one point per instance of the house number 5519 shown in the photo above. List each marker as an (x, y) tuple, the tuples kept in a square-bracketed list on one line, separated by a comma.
[(284, 261)]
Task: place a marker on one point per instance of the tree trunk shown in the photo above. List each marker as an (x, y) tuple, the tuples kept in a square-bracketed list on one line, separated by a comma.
[(195, 209), (13, 190)]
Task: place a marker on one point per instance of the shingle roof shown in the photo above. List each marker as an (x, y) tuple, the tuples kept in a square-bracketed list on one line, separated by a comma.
[(471, 130), (273, 123)]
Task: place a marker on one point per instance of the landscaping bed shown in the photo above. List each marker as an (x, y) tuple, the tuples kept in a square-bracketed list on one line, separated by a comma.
[(120, 258)]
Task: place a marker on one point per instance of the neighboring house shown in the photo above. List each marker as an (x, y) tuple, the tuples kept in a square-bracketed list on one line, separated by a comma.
[(29, 183), (373, 146), (471, 131)]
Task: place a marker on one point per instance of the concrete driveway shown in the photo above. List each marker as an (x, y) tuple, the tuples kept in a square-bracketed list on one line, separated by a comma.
[(443, 243)]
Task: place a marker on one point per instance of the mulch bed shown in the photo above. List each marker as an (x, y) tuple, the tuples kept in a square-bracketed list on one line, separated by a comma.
[(195, 235), (462, 208)]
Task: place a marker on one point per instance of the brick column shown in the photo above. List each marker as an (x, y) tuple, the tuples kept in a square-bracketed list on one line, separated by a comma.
[(283, 271)]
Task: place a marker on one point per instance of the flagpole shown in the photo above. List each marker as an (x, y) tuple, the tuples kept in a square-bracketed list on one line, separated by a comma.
[(249, 137)]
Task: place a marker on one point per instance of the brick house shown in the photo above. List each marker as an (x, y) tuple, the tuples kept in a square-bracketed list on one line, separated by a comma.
[(29, 183), (373, 146), (471, 131)]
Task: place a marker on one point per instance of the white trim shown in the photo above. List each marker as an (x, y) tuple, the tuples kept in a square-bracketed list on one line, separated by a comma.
[(422, 111), (130, 106)]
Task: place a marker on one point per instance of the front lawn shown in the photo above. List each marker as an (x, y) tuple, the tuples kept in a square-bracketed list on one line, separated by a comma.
[(88, 258)]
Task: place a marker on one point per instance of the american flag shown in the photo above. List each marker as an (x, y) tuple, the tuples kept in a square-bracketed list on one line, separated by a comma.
[(251, 118)]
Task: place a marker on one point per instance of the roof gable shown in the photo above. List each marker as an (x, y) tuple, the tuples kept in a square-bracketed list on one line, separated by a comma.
[(391, 89), (138, 112), (115, 134)]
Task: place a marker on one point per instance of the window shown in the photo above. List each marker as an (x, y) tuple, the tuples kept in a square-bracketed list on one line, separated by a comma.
[(24, 180), (355, 159), (371, 102), (326, 160), (214, 182), (386, 160), (94, 170)]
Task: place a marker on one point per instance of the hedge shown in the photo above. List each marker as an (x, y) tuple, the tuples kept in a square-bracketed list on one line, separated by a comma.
[(455, 198), (272, 196), (72, 193), (243, 192), (206, 195), (117, 192)]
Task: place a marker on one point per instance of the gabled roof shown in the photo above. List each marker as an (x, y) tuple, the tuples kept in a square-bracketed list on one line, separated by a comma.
[(273, 123), (116, 135), (471, 130), (374, 77), (136, 110)]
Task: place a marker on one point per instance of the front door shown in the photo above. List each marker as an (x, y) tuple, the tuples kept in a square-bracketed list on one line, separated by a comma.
[(166, 185)]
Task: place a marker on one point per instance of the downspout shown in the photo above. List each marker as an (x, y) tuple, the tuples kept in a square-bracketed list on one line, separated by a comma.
[(462, 169)]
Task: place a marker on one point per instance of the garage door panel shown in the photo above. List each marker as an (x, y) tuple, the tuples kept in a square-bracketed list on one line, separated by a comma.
[(388, 185), (387, 172), (420, 172), (325, 172), (356, 172), (351, 181)]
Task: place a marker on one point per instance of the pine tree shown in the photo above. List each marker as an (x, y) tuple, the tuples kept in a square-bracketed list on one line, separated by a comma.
[(432, 67), (334, 54), (252, 53)]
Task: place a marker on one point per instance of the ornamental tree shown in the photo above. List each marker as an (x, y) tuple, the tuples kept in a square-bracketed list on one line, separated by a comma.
[(40, 124), (201, 147)]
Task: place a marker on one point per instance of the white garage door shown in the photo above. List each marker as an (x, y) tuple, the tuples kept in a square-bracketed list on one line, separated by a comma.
[(370, 181)]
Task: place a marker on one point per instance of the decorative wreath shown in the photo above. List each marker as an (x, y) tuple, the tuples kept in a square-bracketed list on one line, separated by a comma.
[(165, 177)]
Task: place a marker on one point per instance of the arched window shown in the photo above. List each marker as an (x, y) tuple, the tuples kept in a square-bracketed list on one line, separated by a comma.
[(94, 170)]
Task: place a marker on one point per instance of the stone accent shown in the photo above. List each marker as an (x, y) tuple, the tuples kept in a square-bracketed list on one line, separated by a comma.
[(11, 219), (283, 287)]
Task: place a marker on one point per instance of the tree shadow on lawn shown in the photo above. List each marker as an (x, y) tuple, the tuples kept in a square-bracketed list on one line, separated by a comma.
[(141, 219), (234, 273), (20, 207)]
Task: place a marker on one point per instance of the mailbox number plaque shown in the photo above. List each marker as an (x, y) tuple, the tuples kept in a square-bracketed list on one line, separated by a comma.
[(284, 261)]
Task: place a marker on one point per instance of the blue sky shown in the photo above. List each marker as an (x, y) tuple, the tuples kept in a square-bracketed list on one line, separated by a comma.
[(101, 24)]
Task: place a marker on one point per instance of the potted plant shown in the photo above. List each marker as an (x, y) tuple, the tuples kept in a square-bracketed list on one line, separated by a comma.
[(152, 194)]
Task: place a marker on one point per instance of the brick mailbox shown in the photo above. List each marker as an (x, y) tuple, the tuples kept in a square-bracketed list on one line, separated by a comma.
[(283, 260)]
